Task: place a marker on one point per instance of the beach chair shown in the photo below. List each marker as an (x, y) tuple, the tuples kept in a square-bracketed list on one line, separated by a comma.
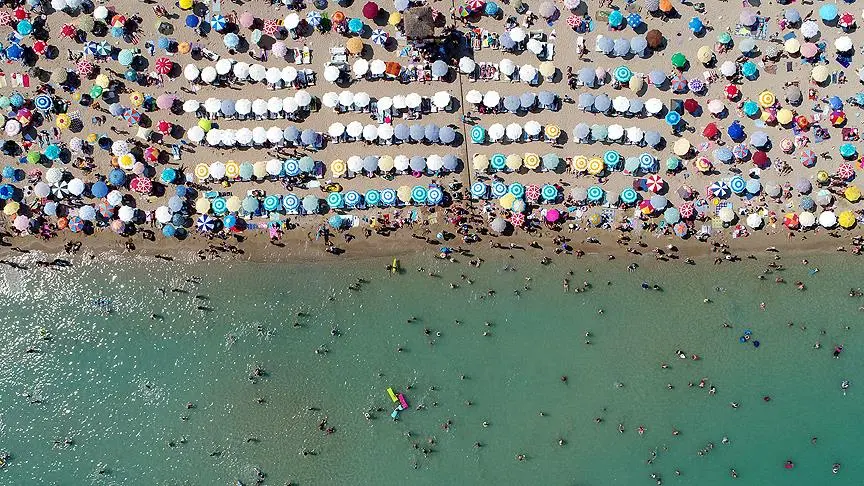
[(307, 55)]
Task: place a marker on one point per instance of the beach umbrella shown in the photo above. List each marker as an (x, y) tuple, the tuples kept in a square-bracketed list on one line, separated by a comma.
[(673, 118), (845, 171), (621, 48), (599, 132), (803, 185), (595, 194), (819, 74), (846, 219), (847, 150), (828, 12), (827, 219), (678, 60), (310, 203), (605, 44), (735, 131)]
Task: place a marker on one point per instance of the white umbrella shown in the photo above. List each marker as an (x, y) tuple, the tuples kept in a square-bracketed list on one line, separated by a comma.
[(274, 134), (291, 21), (726, 214), (635, 134), (331, 74), (257, 72), (212, 105), (728, 68), (355, 163), (229, 138), (274, 105), (413, 100), (495, 132), (534, 46), (195, 134), (517, 34), (809, 29), (385, 103), (191, 72), (506, 67), (527, 73), (399, 102), (467, 65), (514, 131), (434, 162), (336, 129), (274, 167), (807, 219), (532, 128), (385, 132), (370, 132), (214, 137), (346, 98), (843, 44), (653, 106), (289, 104), (289, 74), (76, 187), (126, 213), (191, 106), (259, 136), (243, 106), (223, 66), (163, 214), (53, 175), (441, 99), (119, 148), (361, 99), (754, 221), (620, 104), (491, 99), (354, 129), (377, 67), (274, 75), (360, 67), (474, 96), (827, 219), (115, 198), (208, 74), (243, 136), (241, 70), (401, 162), (615, 132), (330, 99), (259, 106)]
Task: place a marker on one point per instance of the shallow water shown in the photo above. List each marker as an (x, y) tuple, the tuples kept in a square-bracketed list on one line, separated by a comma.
[(117, 382)]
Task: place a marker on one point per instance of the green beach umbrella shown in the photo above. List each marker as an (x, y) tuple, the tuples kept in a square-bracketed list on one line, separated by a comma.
[(34, 157), (96, 91), (679, 60), (724, 38), (672, 163)]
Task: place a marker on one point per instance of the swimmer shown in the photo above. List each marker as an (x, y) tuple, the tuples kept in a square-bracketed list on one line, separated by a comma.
[(733, 404)]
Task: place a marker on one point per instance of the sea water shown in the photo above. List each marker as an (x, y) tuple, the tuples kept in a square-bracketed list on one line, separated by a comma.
[(119, 346)]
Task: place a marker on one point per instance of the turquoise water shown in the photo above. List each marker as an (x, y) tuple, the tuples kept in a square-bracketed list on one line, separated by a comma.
[(117, 383)]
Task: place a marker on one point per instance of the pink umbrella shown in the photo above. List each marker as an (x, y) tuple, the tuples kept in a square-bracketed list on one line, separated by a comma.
[(279, 49), (270, 27), (552, 215), (687, 210), (654, 183), (118, 226), (573, 21), (246, 20), (846, 171), (5, 17), (517, 219), (532, 192), (141, 184), (165, 101), (21, 222), (275, 232), (809, 49), (85, 67)]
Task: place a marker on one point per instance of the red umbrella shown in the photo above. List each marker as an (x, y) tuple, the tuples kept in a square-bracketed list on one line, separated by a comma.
[(654, 183), (475, 5), (85, 67), (164, 127), (164, 65), (846, 171), (731, 91), (791, 221), (573, 21), (370, 10), (39, 47), (846, 20), (517, 219), (68, 30), (270, 27), (141, 184), (711, 131), (691, 105), (532, 192), (686, 210), (118, 20), (760, 158), (20, 13)]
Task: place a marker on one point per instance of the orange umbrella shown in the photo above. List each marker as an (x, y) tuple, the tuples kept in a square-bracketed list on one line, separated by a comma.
[(338, 16), (665, 6), (62, 222), (393, 68)]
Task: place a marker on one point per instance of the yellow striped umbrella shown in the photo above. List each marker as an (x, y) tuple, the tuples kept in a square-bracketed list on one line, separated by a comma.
[(766, 99), (595, 166), (233, 203), (404, 194), (702, 164), (338, 167), (480, 162), (552, 132), (202, 171), (514, 161), (126, 161), (232, 169), (531, 161), (580, 163), (385, 163)]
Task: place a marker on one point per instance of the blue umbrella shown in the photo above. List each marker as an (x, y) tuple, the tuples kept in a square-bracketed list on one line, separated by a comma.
[(434, 195), (205, 223), (836, 103), (616, 18), (737, 184), (506, 41), (549, 192), (723, 154), (169, 231), (647, 162), (230, 221), (657, 78), (602, 103), (586, 101), (291, 167), (52, 152), (355, 26), (103, 48), (313, 18), (622, 47), (291, 134), (290, 202), (178, 220), (50, 208), (192, 21), (653, 138), (417, 132), (419, 194), (792, 15), (219, 205), (9, 172), (749, 70), (634, 20), (218, 22), (605, 44), (754, 186), (309, 137), (7, 191), (719, 189), (44, 102), (310, 203), (231, 40), (352, 199), (372, 197), (272, 203), (335, 200), (735, 131), (638, 44), (628, 195), (546, 98), (498, 189), (479, 190), (611, 159), (696, 25), (336, 221), (447, 135), (595, 193), (512, 104), (673, 118), (527, 100), (163, 43), (659, 202), (828, 12), (90, 48), (759, 139), (125, 57), (516, 189), (431, 133), (401, 132), (388, 197), (631, 165), (169, 175), (99, 189), (14, 52), (551, 162), (491, 8), (623, 74), (807, 203), (401, 5), (175, 204), (671, 215)]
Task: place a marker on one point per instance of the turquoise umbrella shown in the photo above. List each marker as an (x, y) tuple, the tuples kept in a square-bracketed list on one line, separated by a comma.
[(611, 159), (125, 57), (673, 118), (673, 163), (748, 69), (352, 199), (372, 197), (498, 161), (478, 134), (517, 189), (479, 189), (355, 26), (671, 215), (751, 108), (335, 200), (272, 203), (549, 192), (498, 189), (219, 205), (291, 202), (847, 150), (737, 184), (419, 194), (595, 193), (551, 161), (628, 195), (623, 74)]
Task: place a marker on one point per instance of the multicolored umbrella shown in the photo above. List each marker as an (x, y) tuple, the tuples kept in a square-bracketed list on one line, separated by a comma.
[(479, 190), (205, 223), (532, 192), (654, 183), (76, 224), (132, 116), (218, 22), (142, 185), (808, 158), (550, 192), (845, 171), (84, 67)]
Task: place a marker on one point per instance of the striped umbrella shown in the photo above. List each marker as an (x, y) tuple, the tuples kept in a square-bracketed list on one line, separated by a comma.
[(611, 158), (434, 196), (291, 167), (379, 36), (737, 184), (90, 48), (740, 151), (846, 171), (132, 117), (291, 202), (623, 74), (687, 210), (352, 199), (205, 223), (595, 166), (372, 197), (76, 224), (531, 161), (272, 203), (103, 48), (719, 189), (647, 162), (388, 197), (335, 200), (218, 22), (419, 194), (518, 190), (479, 190), (498, 189), (654, 183), (580, 163), (105, 210), (595, 193), (478, 134), (628, 195), (219, 206), (498, 161), (549, 192), (532, 192), (808, 158), (43, 102), (313, 18)]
